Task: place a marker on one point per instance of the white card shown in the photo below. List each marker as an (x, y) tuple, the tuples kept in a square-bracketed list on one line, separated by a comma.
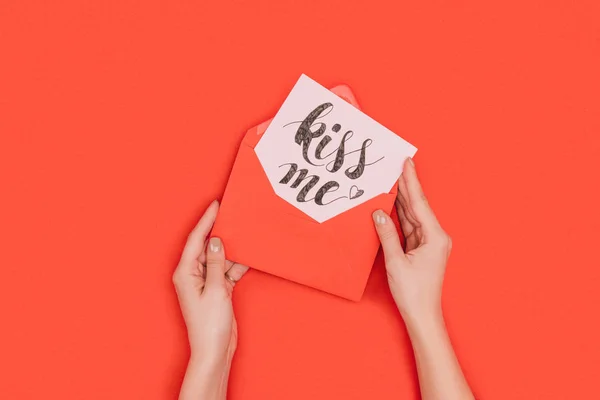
[(324, 156)]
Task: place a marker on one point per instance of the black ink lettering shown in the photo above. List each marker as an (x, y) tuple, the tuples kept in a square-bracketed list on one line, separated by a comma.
[(304, 191), (356, 194), (356, 171), (293, 169), (310, 129), (359, 168), (330, 186), (339, 158), (324, 142), (302, 175), (304, 134)]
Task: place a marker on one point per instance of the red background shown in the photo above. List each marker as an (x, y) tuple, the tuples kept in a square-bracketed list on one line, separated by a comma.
[(119, 123)]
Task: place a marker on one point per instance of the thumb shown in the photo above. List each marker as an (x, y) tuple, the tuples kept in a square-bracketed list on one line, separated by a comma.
[(388, 236), (215, 263)]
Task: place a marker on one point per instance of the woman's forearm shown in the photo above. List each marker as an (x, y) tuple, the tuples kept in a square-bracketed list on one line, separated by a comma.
[(440, 375)]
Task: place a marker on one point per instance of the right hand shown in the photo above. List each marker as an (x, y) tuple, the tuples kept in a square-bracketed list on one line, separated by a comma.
[(415, 275)]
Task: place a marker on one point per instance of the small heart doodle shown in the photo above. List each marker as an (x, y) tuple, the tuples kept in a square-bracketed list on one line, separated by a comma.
[(355, 192)]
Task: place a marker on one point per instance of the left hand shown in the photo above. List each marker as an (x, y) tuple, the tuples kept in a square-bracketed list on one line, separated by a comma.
[(204, 281)]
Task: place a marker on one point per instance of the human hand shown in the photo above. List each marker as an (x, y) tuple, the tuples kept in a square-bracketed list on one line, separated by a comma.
[(204, 281), (415, 275)]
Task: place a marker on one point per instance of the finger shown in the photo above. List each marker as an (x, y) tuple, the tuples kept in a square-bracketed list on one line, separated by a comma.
[(202, 259), (408, 222), (215, 263), (408, 229), (196, 239), (403, 203), (202, 263), (405, 224), (418, 203), (235, 273), (388, 236)]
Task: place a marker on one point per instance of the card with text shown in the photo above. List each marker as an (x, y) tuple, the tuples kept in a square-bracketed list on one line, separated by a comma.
[(324, 156)]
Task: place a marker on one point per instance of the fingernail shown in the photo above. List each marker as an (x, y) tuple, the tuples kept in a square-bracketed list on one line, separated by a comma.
[(378, 217), (214, 244), (410, 160)]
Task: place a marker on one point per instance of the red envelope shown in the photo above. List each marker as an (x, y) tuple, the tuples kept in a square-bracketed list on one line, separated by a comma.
[(263, 231)]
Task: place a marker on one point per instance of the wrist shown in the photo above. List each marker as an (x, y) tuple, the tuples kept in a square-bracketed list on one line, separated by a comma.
[(424, 321), (205, 379), (208, 365)]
